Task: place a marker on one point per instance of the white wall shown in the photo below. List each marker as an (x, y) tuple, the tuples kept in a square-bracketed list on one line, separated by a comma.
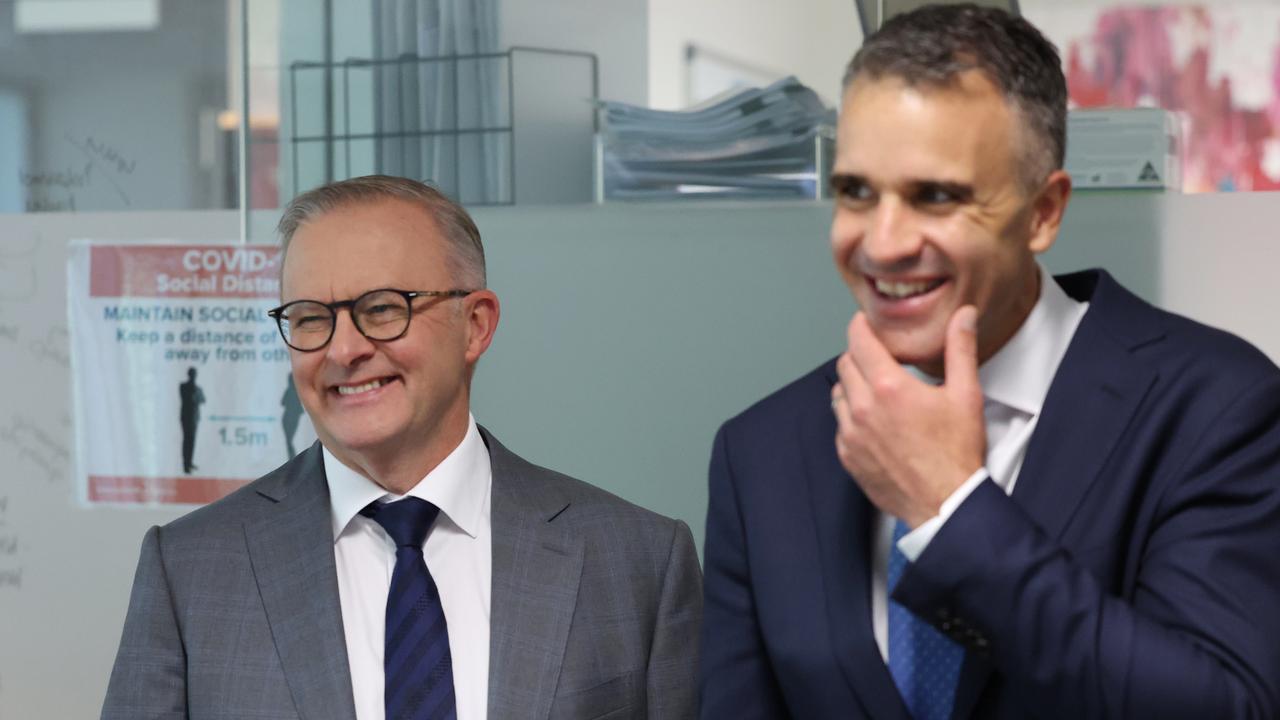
[(1218, 260), (811, 39), (615, 30)]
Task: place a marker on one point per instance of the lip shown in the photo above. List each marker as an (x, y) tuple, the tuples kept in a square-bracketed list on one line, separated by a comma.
[(913, 308), (368, 396)]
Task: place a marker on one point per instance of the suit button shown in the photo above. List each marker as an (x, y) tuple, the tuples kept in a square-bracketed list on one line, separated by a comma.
[(945, 626), (981, 647)]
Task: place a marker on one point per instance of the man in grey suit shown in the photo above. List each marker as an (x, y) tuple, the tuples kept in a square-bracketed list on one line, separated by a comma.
[(540, 596)]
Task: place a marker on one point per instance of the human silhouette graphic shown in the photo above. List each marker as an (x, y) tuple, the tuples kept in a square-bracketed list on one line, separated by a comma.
[(292, 413), (192, 398)]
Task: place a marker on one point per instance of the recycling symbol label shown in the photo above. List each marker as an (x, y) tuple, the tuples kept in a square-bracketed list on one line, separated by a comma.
[(1148, 173)]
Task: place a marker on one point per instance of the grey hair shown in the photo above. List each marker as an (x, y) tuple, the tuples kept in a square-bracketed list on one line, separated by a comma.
[(934, 44), (466, 252)]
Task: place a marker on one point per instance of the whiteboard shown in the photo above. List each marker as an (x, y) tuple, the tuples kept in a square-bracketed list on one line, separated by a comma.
[(64, 570)]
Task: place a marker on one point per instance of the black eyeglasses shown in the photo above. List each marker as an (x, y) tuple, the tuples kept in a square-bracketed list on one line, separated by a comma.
[(384, 314)]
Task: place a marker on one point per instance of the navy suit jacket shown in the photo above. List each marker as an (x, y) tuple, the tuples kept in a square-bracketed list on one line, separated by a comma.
[(1134, 572)]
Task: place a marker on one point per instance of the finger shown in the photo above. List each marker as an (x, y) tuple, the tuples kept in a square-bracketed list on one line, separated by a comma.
[(961, 355), (868, 353), (854, 390), (842, 450), (844, 425)]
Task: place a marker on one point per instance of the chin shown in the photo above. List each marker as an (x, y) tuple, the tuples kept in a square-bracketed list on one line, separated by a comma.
[(930, 364), (910, 348), (360, 438)]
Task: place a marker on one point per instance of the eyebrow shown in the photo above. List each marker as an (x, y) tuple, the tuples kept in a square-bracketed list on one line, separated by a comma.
[(841, 182), (962, 192)]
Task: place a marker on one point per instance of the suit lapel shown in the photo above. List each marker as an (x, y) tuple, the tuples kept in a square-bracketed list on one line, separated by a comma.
[(1092, 399), (537, 565), (844, 519), (291, 550)]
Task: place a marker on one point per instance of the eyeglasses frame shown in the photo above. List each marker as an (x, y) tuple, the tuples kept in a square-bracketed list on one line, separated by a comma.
[(409, 296)]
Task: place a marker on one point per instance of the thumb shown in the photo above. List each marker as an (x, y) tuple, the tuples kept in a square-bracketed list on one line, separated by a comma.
[(962, 354)]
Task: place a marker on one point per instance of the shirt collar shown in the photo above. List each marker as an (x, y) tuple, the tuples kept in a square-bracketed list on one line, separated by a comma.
[(1019, 374), (458, 486)]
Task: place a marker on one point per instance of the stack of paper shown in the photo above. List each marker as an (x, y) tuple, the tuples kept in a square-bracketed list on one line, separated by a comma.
[(760, 142)]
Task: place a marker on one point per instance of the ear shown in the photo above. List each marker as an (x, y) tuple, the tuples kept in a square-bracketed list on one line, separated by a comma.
[(1047, 209), (482, 311)]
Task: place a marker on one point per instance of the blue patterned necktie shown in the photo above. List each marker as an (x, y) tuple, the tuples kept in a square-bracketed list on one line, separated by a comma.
[(416, 660), (924, 663)]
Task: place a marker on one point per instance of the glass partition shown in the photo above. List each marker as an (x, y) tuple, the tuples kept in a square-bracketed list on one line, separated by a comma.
[(138, 104), (115, 105)]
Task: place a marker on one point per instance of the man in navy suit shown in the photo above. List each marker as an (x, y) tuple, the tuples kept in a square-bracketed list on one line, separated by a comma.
[(1012, 495)]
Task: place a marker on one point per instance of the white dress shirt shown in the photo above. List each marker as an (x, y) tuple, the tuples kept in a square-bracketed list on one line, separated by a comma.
[(457, 553), (1014, 383)]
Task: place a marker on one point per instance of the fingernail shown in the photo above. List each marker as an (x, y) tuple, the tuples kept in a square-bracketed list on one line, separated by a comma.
[(969, 321)]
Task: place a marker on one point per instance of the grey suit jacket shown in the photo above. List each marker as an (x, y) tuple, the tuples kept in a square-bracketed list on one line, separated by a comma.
[(596, 605)]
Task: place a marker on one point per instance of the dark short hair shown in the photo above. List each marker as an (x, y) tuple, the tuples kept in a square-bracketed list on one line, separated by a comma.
[(934, 44), (466, 252)]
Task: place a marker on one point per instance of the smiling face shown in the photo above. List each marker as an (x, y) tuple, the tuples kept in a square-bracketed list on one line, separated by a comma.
[(932, 214), (386, 406)]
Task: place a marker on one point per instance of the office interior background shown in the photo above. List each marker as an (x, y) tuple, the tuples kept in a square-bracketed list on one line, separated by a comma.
[(630, 329)]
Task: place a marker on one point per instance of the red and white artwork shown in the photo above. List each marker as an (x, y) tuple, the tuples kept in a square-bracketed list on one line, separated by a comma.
[(1217, 64)]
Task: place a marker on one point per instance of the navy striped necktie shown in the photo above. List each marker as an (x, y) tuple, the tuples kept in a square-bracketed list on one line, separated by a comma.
[(416, 660)]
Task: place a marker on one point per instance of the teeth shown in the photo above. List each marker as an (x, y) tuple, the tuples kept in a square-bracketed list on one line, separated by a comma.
[(902, 289), (355, 389)]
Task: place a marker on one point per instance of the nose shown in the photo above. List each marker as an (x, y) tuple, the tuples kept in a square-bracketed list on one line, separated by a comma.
[(892, 236), (348, 345)]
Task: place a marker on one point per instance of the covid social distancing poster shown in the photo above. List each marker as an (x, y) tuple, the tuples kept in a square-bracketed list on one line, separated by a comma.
[(182, 389)]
